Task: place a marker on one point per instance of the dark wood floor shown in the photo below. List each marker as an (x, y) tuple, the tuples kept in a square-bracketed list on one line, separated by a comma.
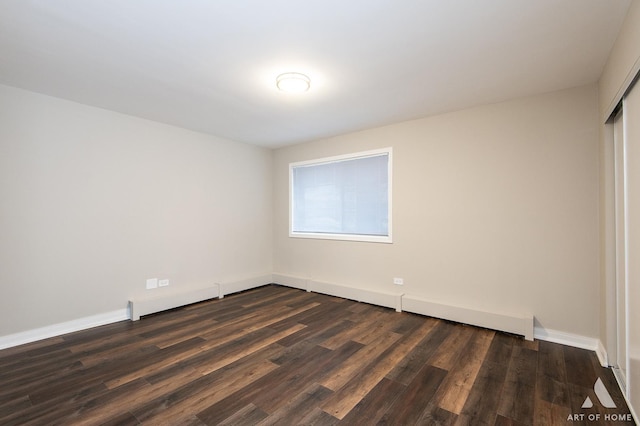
[(282, 356)]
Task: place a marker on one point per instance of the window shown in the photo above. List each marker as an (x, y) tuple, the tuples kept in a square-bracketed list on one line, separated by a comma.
[(342, 198)]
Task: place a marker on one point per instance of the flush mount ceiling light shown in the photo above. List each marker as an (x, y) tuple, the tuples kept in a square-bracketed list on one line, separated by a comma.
[(293, 82)]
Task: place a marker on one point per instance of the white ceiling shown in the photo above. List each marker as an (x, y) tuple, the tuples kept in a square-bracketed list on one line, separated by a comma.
[(210, 65)]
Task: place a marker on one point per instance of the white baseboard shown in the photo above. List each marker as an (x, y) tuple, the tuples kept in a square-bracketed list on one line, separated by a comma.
[(601, 353), (291, 281), (521, 325), (575, 340), (63, 328), (245, 284)]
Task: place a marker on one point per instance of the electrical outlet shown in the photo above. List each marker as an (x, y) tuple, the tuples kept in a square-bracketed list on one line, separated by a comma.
[(163, 283), (152, 283), (398, 281)]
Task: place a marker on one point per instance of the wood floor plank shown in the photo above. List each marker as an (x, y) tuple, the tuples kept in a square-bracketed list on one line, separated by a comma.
[(80, 379), (299, 379), (191, 379), (63, 404), (411, 322), (551, 383), (279, 379), (97, 350), (297, 350), (549, 414), (318, 332), (552, 391), (446, 355), (506, 421), (16, 387), (518, 394), (249, 415), (380, 327), (372, 406), (434, 415), (159, 389), (244, 350), (350, 394), (21, 403), (15, 368), (78, 408), (580, 370), (358, 328), (481, 405), (299, 407), (104, 353), (281, 374), (410, 405), (408, 367), (157, 361), (350, 367), (124, 419), (319, 418), (277, 355), (265, 321), (27, 350), (200, 393), (454, 390), (139, 397), (278, 295), (99, 333), (317, 317), (185, 333)]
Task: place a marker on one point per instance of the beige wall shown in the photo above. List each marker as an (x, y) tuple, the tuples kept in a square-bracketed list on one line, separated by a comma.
[(95, 202), (495, 208)]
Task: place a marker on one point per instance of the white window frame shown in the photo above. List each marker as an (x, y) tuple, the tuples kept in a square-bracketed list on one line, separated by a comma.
[(345, 237)]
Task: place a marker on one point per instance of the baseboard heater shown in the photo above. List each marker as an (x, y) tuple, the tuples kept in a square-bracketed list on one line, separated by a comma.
[(151, 305), (516, 324), (388, 300)]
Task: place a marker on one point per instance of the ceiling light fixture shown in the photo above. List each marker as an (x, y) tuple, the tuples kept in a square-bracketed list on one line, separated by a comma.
[(293, 82)]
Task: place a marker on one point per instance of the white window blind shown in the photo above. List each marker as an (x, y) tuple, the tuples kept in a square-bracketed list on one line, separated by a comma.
[(346, 197)]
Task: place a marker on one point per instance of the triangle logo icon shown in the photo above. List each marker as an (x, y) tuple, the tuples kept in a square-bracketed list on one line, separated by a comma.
[(602, 395), (587, 403)]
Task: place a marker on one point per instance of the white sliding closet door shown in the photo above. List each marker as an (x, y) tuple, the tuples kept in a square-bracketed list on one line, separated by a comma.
[(631, 111)]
